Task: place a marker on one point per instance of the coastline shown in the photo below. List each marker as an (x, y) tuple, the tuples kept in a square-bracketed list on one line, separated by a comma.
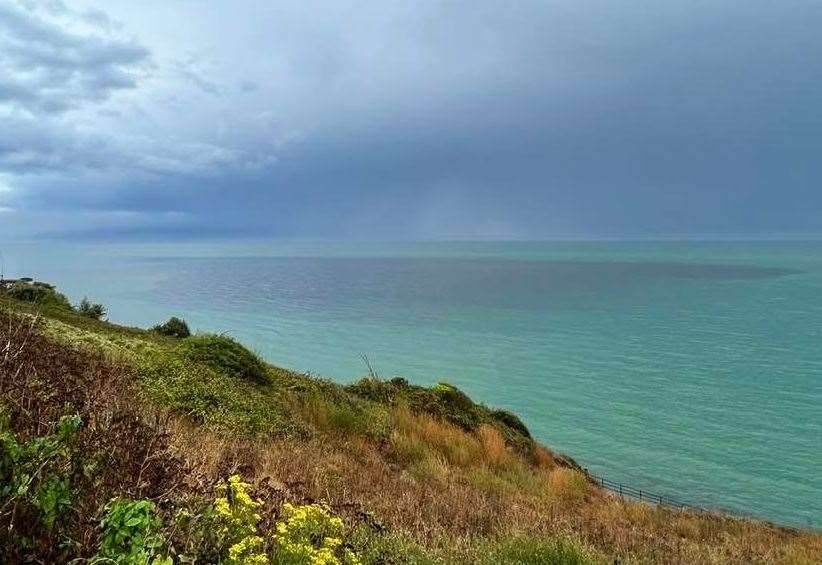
[(387, 438)]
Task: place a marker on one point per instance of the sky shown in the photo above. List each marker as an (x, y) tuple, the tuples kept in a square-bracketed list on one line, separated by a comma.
[(183, 119)]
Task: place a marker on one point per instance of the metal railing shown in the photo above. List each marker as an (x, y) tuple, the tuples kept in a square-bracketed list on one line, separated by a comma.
[(642, 495)]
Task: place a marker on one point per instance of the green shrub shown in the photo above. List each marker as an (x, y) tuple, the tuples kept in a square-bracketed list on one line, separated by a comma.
[(513, 421), (38, 293), (193, 531), (131, 534), (443, 401), (175, 327), (35, 475), (227, 356), (374, 389), (458, 407), (91, 310)]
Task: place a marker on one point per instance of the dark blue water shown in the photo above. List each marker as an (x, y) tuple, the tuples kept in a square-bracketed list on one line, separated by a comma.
[(687, 369)]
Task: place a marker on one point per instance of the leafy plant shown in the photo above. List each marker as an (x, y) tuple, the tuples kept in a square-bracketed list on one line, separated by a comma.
[(35, 475), (131, 534), (174, 327), (91, 310)]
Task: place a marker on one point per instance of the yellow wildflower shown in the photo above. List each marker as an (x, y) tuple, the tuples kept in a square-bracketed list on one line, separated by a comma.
[(310, 534)]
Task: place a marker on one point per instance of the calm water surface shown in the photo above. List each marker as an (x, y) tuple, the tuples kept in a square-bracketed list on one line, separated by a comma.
[(688, 369)]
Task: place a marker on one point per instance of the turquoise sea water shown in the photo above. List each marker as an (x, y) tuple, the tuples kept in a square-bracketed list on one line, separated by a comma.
[(687, 369)]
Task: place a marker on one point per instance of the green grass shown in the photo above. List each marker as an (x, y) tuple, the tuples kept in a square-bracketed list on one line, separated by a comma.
[(390, 548), (217, 399), (209, 397), (537, 551), (520, 550), (208, 379), (347, 416), (222, 384), (62, 311)]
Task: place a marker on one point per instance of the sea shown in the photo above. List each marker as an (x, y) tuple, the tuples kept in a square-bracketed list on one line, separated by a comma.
[(686, 369)]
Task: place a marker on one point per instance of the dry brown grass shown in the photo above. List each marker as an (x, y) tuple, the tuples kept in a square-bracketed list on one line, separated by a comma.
[(445, 500), (496, 452), (568, 484), (416, 437)]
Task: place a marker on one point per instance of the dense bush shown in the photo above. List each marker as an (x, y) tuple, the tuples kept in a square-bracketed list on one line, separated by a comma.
[(174, 327), (458, 407), (226, 356), (511, 420), (39, 293), (91, 310), (444, 401)]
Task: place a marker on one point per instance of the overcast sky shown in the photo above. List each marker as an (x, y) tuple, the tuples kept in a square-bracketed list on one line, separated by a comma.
[(410, 120)]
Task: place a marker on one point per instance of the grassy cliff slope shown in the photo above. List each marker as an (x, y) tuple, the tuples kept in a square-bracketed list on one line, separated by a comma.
[(123, 445)]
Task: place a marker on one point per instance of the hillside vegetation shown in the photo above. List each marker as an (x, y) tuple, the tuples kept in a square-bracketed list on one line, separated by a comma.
[(123, 445)]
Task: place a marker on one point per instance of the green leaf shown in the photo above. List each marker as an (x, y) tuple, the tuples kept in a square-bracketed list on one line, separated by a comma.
[(134, 522)]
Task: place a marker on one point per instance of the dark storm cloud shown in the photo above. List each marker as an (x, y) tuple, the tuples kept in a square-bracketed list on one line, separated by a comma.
[(463, 119)]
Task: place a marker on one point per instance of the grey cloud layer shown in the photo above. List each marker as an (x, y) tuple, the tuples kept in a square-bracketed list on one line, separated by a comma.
[(412, 119), (46, 68), (73, 121)]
